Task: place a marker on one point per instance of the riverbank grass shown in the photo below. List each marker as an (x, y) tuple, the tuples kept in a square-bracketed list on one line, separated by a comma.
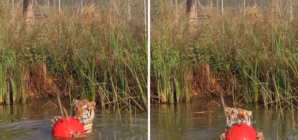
[(99, 56), (252, 56)]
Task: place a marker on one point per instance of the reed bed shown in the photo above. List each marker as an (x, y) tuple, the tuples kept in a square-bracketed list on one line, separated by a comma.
[(166, 120), (98, 55), (252, 56)]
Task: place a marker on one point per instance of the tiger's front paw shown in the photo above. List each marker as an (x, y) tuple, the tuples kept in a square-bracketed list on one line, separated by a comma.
[(55, 119), (81, 120), (260, 136), (222, 136)]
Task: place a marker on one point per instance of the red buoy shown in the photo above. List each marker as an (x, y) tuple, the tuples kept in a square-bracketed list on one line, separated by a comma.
[(67, 127), (241, 132)]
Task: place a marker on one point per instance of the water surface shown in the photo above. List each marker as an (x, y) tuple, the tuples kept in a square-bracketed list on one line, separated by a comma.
[(199, 121), (32, 121)]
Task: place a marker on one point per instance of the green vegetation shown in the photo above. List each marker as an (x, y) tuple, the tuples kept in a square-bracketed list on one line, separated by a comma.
[(98, 55), (253, 56), (35, 114), (197, 116)]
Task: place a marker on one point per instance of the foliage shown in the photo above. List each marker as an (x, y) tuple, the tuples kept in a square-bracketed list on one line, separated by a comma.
[(252, 56), (98, 56)]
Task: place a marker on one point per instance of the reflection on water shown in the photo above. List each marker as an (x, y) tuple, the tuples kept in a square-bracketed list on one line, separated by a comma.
[(197, 121), (32, 121)]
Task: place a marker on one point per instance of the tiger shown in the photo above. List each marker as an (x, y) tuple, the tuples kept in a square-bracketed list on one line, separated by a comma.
[(236, 116), (83, 110)]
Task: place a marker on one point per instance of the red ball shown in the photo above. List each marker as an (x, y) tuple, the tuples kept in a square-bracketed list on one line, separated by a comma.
[(67, 127), (241, 132)]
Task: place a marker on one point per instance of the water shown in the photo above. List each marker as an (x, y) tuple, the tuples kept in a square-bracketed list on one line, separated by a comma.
[(197, 121), (194, 120), (32, 122)]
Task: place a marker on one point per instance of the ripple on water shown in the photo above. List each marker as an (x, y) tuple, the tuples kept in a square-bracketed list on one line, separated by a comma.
[(38, 129), (107, 124), (196, 121)]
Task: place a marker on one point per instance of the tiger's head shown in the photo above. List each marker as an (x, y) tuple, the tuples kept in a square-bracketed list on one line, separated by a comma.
[(238, 116), (83, 110)]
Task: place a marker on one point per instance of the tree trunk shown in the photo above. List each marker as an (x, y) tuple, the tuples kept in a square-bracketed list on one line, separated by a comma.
[(189, 4), (25, 6), (190, 10)]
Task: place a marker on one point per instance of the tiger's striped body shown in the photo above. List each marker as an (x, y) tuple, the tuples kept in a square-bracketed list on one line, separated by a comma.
[(236, 116), (83, 110)]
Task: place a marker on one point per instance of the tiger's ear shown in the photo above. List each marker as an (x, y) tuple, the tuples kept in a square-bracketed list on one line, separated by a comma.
[(249, 113), (92, 103), (228, 109), (75, 101)]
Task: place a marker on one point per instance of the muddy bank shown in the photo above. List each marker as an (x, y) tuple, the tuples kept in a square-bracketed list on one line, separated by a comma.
[(202, 82)]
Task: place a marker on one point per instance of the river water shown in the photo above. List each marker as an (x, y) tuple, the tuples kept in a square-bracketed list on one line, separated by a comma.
[(32, 121), (203, 119)]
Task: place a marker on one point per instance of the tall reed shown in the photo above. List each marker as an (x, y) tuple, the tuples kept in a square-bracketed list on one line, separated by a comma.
[(250, 56), (99, 54)]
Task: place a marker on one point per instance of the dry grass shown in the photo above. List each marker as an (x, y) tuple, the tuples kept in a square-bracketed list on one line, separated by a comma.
[(94, 55), (233, 52)]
